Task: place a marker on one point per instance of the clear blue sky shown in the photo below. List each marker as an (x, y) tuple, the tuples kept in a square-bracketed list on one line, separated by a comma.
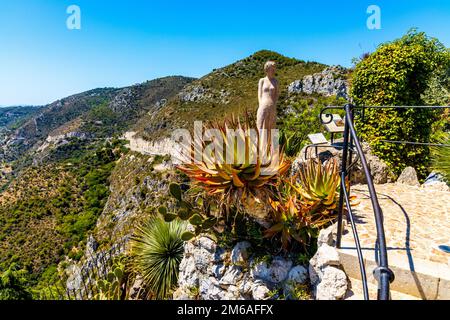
[(126, 42)]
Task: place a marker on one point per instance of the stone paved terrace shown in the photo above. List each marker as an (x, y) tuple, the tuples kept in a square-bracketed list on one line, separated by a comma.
[(417, 221)]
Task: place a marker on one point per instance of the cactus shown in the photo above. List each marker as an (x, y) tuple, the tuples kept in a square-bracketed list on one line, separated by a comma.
[(186, 211), (110, 288)]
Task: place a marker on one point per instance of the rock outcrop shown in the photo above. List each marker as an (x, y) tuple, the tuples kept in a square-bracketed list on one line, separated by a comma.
[(195, 93), (209, 272), (330, 82)]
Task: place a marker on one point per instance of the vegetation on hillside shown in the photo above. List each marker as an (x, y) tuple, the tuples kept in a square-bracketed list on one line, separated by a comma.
[(47, 212), (228, 90)]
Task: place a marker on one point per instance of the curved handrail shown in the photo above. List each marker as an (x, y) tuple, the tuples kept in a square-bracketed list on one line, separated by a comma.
[(356, 237), (382, 273)]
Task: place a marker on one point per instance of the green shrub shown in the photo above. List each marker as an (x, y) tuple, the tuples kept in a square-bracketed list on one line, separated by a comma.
[(157, 250), (13, 284), (441, 159), (400, 73)]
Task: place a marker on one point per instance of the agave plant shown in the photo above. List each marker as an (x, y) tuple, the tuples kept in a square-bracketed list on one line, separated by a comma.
[(253, 169), (157, 250), (318, 184), (295, 219)]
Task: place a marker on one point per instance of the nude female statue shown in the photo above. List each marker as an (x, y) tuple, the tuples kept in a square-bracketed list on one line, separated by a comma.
[(268, 93)]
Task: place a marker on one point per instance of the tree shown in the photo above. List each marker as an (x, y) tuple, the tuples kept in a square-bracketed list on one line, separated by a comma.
[(12, 284), (408, 71)]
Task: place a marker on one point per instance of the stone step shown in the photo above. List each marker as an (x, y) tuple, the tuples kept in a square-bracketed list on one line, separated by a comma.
[(422, 279), (355, 292)]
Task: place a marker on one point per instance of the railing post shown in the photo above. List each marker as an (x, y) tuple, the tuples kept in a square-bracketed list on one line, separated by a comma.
[(343, 174)]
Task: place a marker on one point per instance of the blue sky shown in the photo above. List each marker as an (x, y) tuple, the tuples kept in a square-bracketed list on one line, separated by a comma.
[(126, 42)]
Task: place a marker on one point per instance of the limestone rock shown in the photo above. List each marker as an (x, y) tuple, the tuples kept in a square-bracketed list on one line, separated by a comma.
[(276, 272), (260, 291), (330, 82), (325, 256), (436, 181), (182, 293), (297, 275), (136, 290), (240, 253), (333, 284), (409, 177), (91, 247), (231, 276)]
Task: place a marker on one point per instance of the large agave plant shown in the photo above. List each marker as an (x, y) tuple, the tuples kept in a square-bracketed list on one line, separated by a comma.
[(318, 184), (157, 250), (250, 174)]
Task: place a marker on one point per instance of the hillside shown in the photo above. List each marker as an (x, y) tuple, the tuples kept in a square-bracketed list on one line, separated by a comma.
[(224, 91), (73, 177), (97, 113)]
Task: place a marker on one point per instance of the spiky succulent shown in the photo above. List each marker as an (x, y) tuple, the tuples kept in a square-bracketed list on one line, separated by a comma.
[(318, 184), (253, 168), (157, 250), (295, 219)]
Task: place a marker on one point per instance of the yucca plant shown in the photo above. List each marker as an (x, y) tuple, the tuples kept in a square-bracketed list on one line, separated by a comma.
[(157, 250), (318, 184), (254, 167)]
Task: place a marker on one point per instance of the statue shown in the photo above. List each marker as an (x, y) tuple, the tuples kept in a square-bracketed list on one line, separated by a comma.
[(268, 93)]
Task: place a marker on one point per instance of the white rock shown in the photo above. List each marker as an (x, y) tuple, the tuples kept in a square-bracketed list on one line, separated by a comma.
[(325, 256), (232, 276), (210, 290), (298, 275), (240, 253), (333, 284), (182, 294), (276, 272), (260, 291), (188, 275), (409, 177), (246, 285)]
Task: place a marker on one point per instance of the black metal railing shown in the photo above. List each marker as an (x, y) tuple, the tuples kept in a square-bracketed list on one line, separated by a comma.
[(351, 143)]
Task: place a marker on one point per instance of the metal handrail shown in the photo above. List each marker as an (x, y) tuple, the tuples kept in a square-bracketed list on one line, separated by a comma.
[(382, 273), (356, 237)]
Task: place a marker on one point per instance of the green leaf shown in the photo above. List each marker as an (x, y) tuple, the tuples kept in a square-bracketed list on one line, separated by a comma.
[(184, 214), (186, 236), (162, 210), (209, 223), (175, 191), (170, 217), (196, 220), (118, 273)]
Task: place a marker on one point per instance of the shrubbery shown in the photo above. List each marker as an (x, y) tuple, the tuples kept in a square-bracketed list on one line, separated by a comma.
[(402, 73)]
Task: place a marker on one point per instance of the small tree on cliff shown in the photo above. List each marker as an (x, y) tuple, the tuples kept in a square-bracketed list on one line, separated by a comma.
[(401, 73)]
